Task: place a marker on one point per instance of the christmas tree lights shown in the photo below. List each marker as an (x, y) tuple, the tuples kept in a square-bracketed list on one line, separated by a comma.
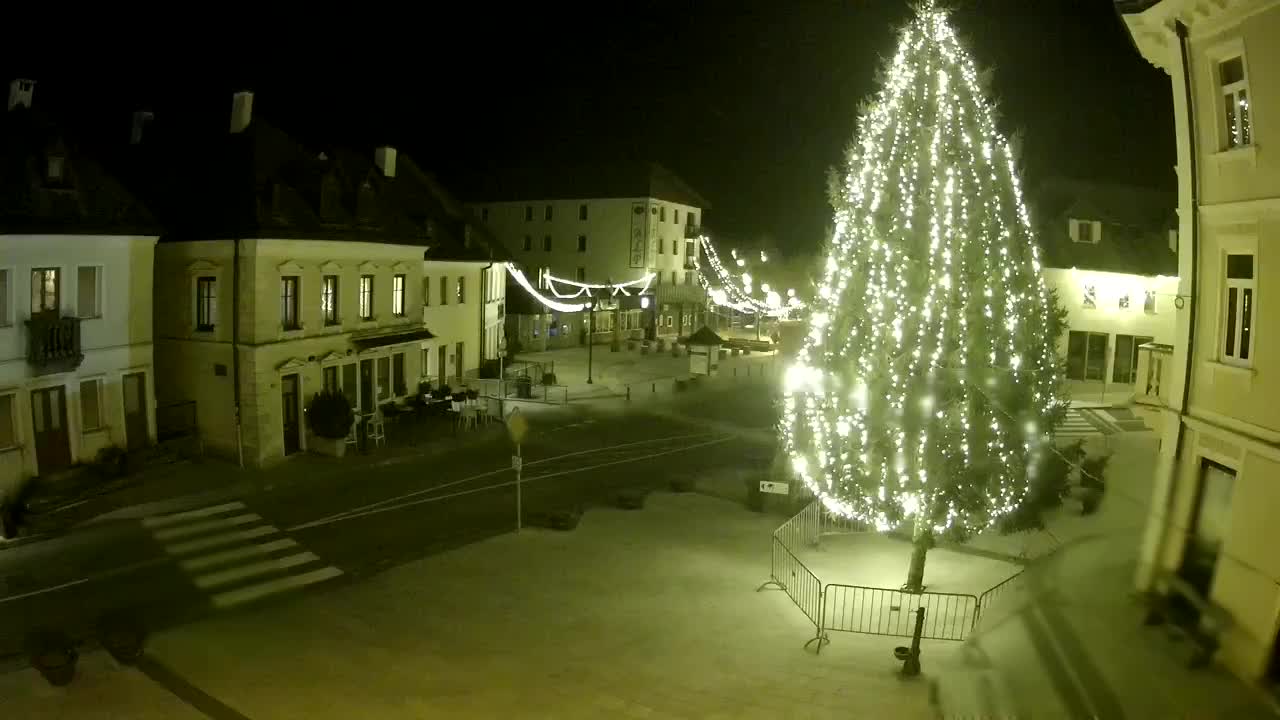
[(928, 382)]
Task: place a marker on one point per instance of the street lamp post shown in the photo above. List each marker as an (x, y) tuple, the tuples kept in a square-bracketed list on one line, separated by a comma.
[(591, 330)]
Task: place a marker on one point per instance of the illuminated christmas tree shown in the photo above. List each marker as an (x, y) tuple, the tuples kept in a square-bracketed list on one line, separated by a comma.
[(928, 386)]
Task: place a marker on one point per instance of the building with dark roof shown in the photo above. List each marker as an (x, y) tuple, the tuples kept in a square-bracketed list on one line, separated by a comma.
[(598, 224), (1110, 253), (286, 269), (75, 300)]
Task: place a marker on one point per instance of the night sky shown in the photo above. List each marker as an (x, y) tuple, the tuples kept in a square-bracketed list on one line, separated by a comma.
[(750, 101)]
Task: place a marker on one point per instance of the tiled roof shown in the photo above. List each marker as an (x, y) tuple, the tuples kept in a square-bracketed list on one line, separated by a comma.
[(609, 179), (85, 200), (1135, 226)]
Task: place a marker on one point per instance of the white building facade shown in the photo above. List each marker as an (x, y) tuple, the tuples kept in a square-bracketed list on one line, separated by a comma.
[(1212, 519), (76, 371), (607, 230)]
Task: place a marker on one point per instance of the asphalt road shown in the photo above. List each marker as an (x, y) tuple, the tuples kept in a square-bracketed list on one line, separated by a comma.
[(319, 529)]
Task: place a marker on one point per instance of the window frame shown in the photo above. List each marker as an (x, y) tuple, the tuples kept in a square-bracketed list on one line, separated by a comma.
[(57, 289), (14, 441), (528, 213), (210, 308), (289, 302), (547, 214), (1243, 349), (330, 298), (528, 243), (582, 274), (444, 290), (582, 211), (365, 298), (460, 290), (426, 291), (546, 243), (97, 391), (6, 296), (1234, 91), (582, 243), (98, 295), (398, 304)]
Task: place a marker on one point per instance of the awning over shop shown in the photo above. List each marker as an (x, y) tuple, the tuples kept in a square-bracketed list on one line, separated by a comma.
[(368, 342)]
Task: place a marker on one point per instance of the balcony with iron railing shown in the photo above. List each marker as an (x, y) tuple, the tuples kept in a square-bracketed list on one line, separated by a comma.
[(53, 343)]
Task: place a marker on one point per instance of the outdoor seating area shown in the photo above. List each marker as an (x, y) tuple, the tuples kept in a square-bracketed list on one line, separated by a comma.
[(430, 412)]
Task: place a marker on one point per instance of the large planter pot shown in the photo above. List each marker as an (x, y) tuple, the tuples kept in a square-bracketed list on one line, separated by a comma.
[(662, 345), (631, 344), (333, 447), (123, 637), (54, 655)]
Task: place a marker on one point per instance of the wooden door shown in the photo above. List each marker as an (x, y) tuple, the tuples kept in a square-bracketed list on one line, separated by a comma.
[(289, 413), (49, 426), (134, 386), (442, 362)]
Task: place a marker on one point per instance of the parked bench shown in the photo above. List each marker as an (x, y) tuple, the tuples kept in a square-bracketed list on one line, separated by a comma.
[(1203, 628)]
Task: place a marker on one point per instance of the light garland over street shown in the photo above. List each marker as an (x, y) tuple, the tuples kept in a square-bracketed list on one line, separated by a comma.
[(587, 290), (734, 291)]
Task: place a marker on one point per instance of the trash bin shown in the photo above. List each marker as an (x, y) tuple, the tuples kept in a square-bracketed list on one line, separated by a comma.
[(524, 387)]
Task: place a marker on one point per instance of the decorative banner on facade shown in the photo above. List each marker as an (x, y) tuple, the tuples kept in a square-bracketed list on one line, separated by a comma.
[(639, 235), (653, 234)]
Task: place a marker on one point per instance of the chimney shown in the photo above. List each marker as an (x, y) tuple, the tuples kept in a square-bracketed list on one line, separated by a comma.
[(385, 158), (241, 111), (140, 120), (20, 93)]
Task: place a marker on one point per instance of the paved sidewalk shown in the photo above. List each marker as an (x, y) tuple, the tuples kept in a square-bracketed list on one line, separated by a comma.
[(649, 613), (650, 374), (1067, 639)]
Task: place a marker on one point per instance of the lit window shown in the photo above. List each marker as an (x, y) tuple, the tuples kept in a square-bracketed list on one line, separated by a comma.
[(397, 295), (366, 297), (46, 290), (329, 299), (1235, 102), (1090, 296), (1237, 321), (289, 302), (206, 303)]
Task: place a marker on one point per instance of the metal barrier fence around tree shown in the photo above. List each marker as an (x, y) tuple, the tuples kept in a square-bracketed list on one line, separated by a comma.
[(836, 607)]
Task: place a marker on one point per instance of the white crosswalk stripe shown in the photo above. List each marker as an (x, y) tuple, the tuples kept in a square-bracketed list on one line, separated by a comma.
[(234, 555)]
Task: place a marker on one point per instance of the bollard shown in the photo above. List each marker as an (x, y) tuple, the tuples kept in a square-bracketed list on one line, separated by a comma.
[(910, 657), (735, 372), (653, 388)]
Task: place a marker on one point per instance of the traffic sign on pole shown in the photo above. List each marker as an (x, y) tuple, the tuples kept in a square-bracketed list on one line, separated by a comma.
[(517, 426)]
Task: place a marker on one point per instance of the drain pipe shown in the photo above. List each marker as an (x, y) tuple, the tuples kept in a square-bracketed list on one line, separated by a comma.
[(1192, 167), (235, 345)]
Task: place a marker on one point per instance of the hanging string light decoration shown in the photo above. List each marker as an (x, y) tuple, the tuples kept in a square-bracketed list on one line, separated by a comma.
[(735, 290), (928, 383), (581, 289)]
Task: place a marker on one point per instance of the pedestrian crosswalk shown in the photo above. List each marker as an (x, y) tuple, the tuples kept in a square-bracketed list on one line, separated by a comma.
[(1080, 424), (233, 555)]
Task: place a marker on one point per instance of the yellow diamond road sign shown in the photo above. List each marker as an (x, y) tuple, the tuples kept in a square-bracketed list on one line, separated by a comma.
[(517, 426)]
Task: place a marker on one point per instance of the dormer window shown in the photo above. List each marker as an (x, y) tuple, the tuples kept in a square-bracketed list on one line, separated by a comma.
[(1085, 231), (55, 166)]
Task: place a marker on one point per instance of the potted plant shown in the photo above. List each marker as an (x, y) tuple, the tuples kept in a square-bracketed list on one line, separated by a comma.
[(662, 345), (54, 655), (330, 416), (675, 350), (122, 636)]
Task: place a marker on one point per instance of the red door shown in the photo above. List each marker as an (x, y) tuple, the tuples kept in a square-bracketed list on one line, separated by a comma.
[(49, 425)]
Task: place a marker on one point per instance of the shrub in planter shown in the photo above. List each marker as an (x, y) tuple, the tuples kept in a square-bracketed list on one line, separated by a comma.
[(111, 462), (675, 350), (330, 416), (54, 655), (662, 345), (1092, 483), (631, 499), (644, 348), (122, 636), (683, 484)]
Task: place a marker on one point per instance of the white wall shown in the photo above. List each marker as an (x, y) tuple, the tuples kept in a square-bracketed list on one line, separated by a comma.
[(608, 232), (1107, 316), (114, 343)]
